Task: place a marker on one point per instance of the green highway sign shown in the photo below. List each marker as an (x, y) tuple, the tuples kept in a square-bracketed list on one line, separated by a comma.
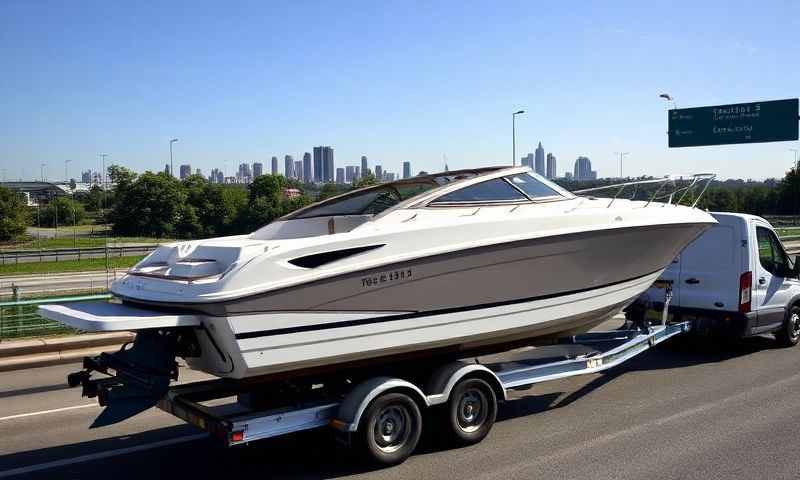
[(770, 121)]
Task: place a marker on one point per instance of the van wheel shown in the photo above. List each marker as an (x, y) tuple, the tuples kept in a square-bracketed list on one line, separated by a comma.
[(470, 412), (789, 334), (390, 429)]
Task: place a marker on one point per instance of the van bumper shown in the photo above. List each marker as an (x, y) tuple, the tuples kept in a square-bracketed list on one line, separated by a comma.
[(716, 322)]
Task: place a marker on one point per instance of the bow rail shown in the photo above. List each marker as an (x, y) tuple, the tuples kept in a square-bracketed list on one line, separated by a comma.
[(667, 188)]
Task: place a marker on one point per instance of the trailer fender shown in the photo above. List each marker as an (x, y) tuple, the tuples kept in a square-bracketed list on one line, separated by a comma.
[(354, 404), (445, 378)]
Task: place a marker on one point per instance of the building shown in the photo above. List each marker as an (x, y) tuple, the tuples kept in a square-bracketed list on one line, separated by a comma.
[(329, 165), (568, 176), (288, 166), (378, 173), (86, 177), (349, 174), (291, 193), (186, 170), (244, 175), (340, 176), (539, 160), (274, 165), (323, 164), (406, 169), (307, 168), (216, 176), (36, 192), (583, 169), (198, 172), (258, 169), (551, 166), (364, 164), (298, 170), (390, 176), (527, 160)]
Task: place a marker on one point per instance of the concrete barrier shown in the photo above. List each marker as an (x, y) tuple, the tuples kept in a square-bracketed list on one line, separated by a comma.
[(42, 352)]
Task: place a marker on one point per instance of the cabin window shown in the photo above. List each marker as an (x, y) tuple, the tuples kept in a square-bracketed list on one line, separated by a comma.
[(534, 187), (491, 191)]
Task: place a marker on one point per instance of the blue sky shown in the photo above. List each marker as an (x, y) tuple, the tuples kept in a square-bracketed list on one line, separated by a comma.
[(242, 81)]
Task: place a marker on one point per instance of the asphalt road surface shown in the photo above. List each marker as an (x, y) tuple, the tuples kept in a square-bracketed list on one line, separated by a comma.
[(56, 283), (681, 410)]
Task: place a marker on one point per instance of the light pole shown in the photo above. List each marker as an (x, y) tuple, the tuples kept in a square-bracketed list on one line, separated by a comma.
[(41, 169), (102, 209), (621, 156), (171, 169), (66, 173), (796, 166), (514, 136)]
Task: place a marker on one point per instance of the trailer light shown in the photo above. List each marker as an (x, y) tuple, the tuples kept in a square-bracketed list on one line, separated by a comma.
[(237, 436), (745, 292)]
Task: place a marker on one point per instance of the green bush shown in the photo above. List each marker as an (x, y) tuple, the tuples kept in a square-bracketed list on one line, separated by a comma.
[(14, 215)]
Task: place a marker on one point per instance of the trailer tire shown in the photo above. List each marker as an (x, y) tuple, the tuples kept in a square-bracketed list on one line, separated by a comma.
[(789, 334), (470, 412), (390, 429)]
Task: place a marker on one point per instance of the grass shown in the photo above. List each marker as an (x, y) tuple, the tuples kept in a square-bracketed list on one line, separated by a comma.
[(788, 231), (77, 242), (69, 265)]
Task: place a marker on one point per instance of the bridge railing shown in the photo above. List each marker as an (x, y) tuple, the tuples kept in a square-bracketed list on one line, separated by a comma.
[(17, 256), (19, 319)]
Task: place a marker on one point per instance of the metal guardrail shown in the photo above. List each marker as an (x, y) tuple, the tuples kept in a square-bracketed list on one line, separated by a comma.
[(19, 318), (14, 257)]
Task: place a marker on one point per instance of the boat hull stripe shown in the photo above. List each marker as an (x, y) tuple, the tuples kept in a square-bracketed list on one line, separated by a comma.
[(429, 313)]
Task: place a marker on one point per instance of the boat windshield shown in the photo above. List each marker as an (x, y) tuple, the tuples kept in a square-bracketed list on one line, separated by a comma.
[(370, 201)]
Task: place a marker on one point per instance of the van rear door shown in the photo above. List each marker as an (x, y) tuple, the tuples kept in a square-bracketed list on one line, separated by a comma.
[(710, 267)]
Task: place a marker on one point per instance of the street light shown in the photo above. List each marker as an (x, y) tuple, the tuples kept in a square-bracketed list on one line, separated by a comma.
[(514, 137), (795, 157), (66, 174), (41, 168), (103, 212), (621, 155), (171, 168)]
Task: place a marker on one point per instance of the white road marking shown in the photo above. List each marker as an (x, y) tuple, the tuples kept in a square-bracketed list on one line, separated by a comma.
[(100, 455), (43, 412)]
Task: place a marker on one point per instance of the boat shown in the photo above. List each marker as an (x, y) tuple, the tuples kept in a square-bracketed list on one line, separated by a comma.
[(449, 263)]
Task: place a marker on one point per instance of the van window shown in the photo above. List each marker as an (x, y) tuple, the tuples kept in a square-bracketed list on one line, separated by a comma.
[(770, 253)]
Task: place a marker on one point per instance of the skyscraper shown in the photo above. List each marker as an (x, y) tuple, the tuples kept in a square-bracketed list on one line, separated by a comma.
[(551, 166), (186, 170), (364, 164), (583, 169), (349, 174), (327, 154), (244, 175), (539, 160), (378, 173), (307, 168), (288, 163), (357, 172), (527, 160), (406, 169), (274, 165), (318, 164), (340, 175), (298, 170), (258, 169)]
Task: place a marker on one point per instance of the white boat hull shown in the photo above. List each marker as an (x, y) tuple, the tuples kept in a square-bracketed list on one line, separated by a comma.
[(464, 330)]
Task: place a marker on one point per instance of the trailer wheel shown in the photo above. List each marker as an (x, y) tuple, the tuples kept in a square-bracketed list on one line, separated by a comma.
[(470, 412), (390, 429), (789, 334)]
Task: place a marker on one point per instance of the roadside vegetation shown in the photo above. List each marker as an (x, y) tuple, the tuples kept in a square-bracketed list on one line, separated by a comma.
[(69, 265)]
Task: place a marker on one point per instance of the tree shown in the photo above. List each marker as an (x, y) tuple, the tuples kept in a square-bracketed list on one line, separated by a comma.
[(153, 205), (14, 215), (365, 181), (62, 211), (95, 198), (327, 191)]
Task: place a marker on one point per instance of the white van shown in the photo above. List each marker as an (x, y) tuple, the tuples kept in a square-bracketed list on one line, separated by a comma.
[(736, 278)]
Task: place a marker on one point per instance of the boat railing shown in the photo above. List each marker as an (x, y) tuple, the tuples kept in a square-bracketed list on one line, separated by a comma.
[(671, 189)]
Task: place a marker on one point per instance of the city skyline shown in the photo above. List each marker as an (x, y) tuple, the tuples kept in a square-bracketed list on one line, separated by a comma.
[(378, 96)]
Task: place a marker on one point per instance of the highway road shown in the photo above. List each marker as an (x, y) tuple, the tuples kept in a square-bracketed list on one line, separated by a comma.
[(679, 411), (57, 283)]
